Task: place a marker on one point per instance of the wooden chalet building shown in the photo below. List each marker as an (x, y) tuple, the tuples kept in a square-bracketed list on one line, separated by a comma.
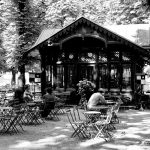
[(85, 49)]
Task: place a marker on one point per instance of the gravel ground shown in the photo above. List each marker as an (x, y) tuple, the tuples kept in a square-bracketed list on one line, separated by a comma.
[(132, 133)]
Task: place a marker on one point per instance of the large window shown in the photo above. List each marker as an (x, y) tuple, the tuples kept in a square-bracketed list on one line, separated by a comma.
[(103, 76), (115, 56), (86, 71), (71, 76), (87, 57), (114, 76), (126, 76), (60, 76)]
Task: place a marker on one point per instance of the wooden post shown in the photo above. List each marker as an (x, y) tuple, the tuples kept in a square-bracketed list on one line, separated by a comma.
[(97, 71)]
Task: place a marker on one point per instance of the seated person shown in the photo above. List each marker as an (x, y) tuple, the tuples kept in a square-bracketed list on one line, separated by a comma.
[(18, 97), (94, 101), (48, 102), (28, 97)]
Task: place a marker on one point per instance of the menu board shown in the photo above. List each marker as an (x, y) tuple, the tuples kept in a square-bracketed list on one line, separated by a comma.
[(34, 77)]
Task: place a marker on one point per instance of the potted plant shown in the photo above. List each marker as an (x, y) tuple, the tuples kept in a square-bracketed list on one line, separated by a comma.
[(85, 89)]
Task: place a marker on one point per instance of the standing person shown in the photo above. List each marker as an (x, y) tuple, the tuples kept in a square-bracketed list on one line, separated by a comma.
[(95, 99)]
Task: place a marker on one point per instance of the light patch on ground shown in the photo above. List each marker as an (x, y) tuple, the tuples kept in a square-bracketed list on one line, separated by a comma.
[(91, 142), (41, 143)]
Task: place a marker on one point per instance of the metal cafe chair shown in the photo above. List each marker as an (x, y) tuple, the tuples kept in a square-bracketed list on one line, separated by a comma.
[(92, 116), (79, 126), (115, 110), (4, 111), (32, 114), (10, 121), (13, 122), (102, 129)]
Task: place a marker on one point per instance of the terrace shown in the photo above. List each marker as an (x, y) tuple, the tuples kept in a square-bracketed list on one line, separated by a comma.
[(132, 133)]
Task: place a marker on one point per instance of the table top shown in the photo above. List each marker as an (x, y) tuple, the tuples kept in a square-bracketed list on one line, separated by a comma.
[(37, 101), (92, 112), (101, 107), (31, 104), (110, 102), (2, 108)]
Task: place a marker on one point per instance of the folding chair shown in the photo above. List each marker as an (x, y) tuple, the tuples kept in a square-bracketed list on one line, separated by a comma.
[(11, 121), (5, 116), (79, 126), (102, 127), (115, 110), (32, 115)]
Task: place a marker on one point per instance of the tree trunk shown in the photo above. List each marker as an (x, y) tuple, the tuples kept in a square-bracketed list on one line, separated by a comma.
[(13, 79), (21, 78)]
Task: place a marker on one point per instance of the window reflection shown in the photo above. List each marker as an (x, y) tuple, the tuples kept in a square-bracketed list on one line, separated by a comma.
[(114, 76), (126, 77), (103, 76)]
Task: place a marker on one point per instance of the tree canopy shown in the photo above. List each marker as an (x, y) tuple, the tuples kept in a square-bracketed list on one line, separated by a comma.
[(21, 21)]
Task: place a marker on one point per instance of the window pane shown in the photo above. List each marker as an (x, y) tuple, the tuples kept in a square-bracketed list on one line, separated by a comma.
[(115, 56), (60, 76), (114, 76), (126, 77), (71, 80), (126, 56), (87, 57), (103, 76), (102, 57)]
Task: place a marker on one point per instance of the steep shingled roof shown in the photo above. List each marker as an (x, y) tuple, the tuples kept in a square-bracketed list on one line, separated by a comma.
[(116, 32)]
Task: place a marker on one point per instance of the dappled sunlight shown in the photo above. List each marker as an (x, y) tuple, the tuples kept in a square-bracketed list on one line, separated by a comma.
[(127, 135), (115, 146), (41, 143), (57, 128), (137, 147), (147, 121), (133, 129), (123, 147), (91, 142), (138, 113), (66, 130)]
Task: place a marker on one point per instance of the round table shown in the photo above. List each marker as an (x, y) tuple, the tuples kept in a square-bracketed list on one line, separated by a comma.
[(92, 116)]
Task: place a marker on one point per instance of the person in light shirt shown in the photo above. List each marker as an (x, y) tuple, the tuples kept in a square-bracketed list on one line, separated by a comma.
[(95, 99)]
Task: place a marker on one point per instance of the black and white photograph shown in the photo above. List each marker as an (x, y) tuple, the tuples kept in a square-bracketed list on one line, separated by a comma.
[(74, 74)]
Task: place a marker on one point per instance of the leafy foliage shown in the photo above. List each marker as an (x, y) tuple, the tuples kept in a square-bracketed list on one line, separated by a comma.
[(62, 12), (85, 86), (21, 21), (130, 12), (29, 23), (8, 33)]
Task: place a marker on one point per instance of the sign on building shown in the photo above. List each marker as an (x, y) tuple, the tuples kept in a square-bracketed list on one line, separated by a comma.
[(34, 77)]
